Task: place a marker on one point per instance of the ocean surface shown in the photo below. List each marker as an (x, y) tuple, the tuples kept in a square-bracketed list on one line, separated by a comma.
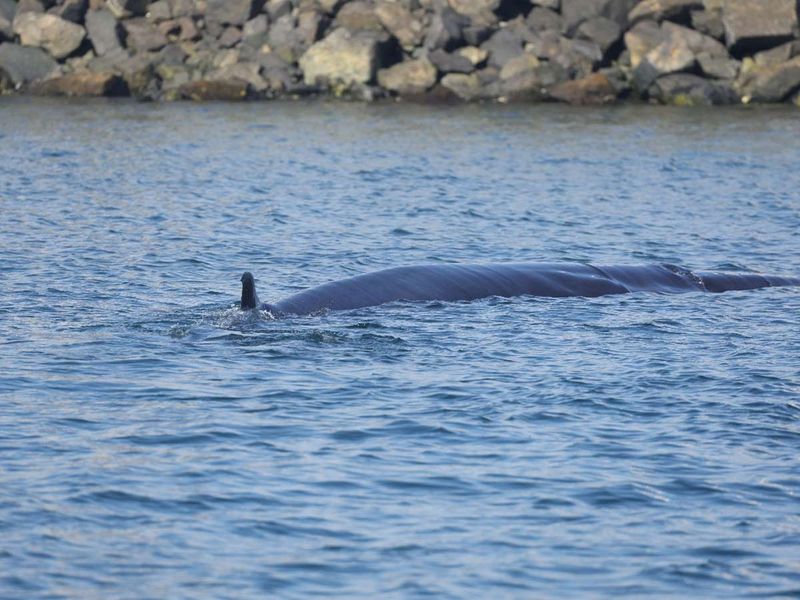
[(155, 442)]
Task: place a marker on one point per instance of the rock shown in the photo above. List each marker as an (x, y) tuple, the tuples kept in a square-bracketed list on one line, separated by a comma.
[(752, 25), (659, 10), (229, 12), (544, 19), (230, 37), (718, 67), (775, 56), (8, 10), (475, 35), (255, 26), (398, 21), (772, 84), (23, 64), (604, 32), (576, 12), (594, 89), (204, 90), (278, 8), (551, 4), (358, 16), (182, 29), (446, 30), (103, 31), (344, 58), (59, 37), (466, 87), (182, 8), (476, 10), (142, 35), (476, 56), (123, 9), (310, 25), (244, 71), (36, 6), (696, 41), (408, 78), (709, 22), (82, 83), (641, 39), (139, 75), (450, 63), (282, 38), (518, 65), (690, 90), (502, 47), (71, 10)]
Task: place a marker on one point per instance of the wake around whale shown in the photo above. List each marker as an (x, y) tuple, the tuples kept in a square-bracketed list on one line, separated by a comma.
[(453, 282)]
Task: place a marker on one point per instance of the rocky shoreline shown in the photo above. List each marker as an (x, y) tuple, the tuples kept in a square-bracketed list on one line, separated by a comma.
[(705, 52)]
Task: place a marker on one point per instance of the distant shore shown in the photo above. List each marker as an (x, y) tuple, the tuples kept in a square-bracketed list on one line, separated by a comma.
[(687, 52)]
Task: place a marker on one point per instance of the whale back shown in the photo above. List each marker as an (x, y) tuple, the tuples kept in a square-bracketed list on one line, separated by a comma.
[(454, 282)]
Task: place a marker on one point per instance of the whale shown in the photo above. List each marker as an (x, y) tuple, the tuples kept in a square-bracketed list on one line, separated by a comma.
[(453, 282)]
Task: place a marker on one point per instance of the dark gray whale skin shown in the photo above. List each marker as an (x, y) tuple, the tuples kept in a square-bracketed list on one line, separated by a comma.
[(453, 282)]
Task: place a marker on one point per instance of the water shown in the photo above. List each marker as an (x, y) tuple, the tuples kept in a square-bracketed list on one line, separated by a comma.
[(156, 443)]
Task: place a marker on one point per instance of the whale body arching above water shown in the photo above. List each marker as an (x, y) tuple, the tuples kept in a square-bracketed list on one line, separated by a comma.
[(454, 282)]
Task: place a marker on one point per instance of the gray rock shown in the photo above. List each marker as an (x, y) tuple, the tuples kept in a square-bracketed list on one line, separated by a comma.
[(600, 30), (8, 9), (776, 55), (255, 26), (182, 8), (447, 62), (690, 90), (410, 77), (245, 71), (36, 6), (159, 11), (282, 38), (343, 58), (709, 22), (142, 35), (752, 25), (71, 10), (109, 62), (551, 4), (545, 19), (774, 83), (658, 10), (476, 10), (23, 64), (278, 8), (59, 37), (230, 37), (475, 35), (641, 39), (502, 47), (466, 87), (358, 15), (446, 30), (229, 12), (718, 67), (123, 9), (310, 25), (671, 56), (576, 12), (399, 21), (182, 29), (104, 31)]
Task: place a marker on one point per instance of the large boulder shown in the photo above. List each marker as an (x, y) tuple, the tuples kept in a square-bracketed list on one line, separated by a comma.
[(641, 39), (594, 89), (773, 83), (344, 57), (229, 12), (399, 21), (82, 83), (408, 78), (503, 46), (604, 32), (103, 30), (757, 24), (359, 15), (143, 36), (59, 37), (465, 86), (448, 62), (658, 10), (690, 90), (545, 19), (24, 64), (576, 12)]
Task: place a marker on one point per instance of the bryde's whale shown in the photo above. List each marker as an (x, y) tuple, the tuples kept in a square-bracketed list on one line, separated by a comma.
[(451, 282)]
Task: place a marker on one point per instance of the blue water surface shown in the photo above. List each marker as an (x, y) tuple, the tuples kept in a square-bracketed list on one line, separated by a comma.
[(155, 442)]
